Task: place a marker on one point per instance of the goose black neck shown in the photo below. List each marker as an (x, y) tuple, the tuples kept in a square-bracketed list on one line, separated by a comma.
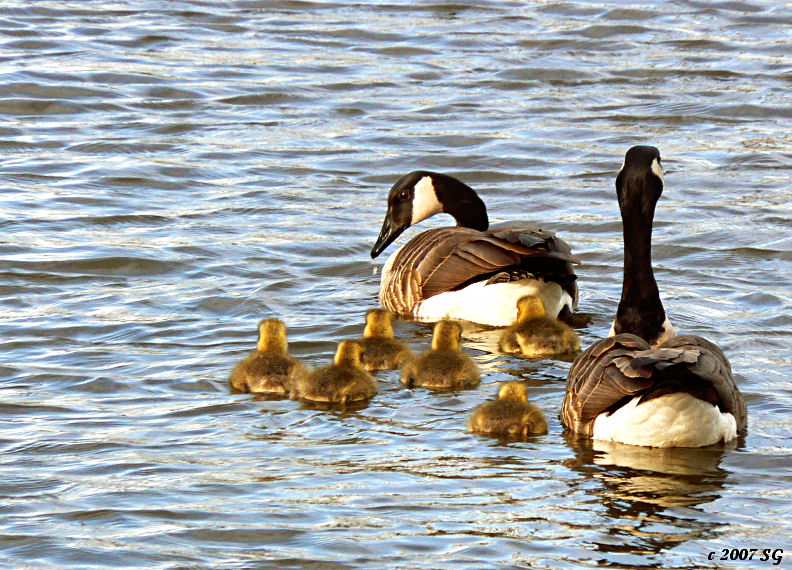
[(640, 310), (461, 201)]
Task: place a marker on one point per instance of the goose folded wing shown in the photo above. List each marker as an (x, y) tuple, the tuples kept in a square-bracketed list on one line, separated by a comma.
[(432, 262), (603, 376), (529, 240), (624, 365), (444, 269), (458, 257), (706, 361)]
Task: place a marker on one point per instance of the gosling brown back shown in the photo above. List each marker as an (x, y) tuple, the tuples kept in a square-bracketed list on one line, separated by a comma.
[(380, 350), (511, 415), (269, 369), (445, 366), (342, 382)]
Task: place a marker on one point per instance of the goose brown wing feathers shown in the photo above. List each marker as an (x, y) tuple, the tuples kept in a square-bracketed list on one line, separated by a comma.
[(622, 366), (707, 361), (443, 259), (599, 378), (536, 241)]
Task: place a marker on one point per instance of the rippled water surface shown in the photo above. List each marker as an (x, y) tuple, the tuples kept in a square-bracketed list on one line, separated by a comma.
[(175, 171)]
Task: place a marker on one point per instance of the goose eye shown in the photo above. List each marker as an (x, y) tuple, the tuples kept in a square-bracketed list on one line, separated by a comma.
[(404, 195)]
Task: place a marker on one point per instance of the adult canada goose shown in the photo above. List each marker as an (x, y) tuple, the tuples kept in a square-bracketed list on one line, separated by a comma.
[(511, 415), (380, 350), (342, 382), (643, 385), (473, 271), (445, 366), (269, 369), (534, 335)]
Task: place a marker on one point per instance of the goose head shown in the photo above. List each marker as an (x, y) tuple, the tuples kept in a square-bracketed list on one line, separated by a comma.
[(421, 194), (639, 184), (272, 336)]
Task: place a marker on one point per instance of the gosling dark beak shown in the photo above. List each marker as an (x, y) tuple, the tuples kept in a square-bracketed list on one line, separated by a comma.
[(388, 233)]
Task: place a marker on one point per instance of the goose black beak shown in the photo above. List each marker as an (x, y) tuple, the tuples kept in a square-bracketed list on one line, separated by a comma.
[(388, 233)]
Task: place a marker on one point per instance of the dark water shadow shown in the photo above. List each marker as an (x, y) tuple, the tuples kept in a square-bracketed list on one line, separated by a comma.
[(651, 498)]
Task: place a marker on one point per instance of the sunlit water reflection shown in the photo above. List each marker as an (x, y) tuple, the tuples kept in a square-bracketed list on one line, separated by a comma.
[(174, 173)]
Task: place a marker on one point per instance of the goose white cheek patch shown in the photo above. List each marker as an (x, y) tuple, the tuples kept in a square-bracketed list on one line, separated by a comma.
[(658, 170), (425, 202)]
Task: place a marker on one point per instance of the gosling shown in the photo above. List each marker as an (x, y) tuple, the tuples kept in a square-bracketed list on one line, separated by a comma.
[(380, 350), (510, 416), (269, 369), (445, 366), (342, 382), (535, 335)]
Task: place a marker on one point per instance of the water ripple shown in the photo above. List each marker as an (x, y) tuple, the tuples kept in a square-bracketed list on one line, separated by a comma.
[(176, 173)]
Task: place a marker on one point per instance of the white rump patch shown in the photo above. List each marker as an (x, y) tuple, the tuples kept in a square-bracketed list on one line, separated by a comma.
[(495, 304), (673, 420), (425, 202)]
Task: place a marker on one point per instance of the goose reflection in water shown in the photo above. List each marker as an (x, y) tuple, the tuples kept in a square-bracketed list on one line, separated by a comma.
[(647, 492)]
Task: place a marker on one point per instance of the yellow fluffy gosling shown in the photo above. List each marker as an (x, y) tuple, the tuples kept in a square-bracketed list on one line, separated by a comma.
[(445, 366), (342, 382), (269, 369), (535, 335), (380, 350), (511, 415)]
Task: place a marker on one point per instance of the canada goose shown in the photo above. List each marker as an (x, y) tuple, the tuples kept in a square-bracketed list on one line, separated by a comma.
[(643, 385), (473, 271), (445, 366), (535, 335), (380, 350), (511, 415), (269, 369), (342, 382)]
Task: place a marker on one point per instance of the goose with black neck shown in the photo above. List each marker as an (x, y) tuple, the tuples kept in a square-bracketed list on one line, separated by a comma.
[(472, 271), (644, 385), (640, 310)]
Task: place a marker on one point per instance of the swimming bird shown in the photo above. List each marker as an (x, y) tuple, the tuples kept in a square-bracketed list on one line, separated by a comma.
[(269, 369), (342, 382), (535, 335), (510, 415), (643, 385), (445, 366), (380, 350), (473, 271)]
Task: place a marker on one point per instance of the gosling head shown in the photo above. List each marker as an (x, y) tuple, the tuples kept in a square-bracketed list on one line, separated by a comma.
[(378, 324), (530, 307), (513, 391), (272, 336), (447, 336), (348, 354)]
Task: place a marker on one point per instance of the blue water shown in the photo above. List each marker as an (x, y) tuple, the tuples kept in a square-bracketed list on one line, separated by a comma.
[(174, 172)]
